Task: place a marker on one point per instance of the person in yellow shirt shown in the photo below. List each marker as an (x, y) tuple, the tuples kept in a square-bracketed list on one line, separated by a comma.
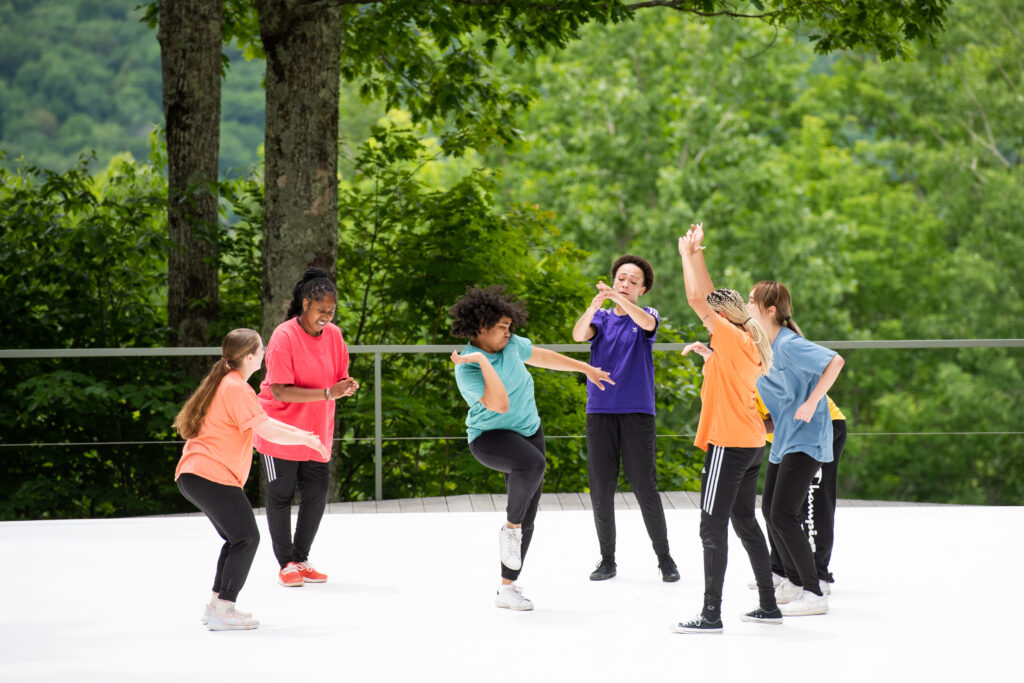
[(820, 506)]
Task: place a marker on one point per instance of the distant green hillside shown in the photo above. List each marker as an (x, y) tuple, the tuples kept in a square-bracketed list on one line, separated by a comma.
[(82, 75)]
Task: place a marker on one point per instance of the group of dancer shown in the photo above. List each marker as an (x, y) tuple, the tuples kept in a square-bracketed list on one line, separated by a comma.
[(756, 357)]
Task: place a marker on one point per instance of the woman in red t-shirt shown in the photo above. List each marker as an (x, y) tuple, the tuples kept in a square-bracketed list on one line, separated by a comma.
[(307, 370), (219, 421)]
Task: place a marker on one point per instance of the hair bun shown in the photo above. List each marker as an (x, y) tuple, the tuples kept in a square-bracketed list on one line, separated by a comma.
[(313, 273)]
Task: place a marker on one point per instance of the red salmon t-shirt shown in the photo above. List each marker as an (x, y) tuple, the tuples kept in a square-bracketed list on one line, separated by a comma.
[(298, 358)]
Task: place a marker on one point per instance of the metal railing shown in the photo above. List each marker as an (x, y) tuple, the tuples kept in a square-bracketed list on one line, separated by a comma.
[(378, 351)]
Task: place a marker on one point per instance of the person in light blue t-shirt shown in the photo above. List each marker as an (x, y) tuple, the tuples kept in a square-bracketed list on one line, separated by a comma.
[(503, 426), (794, 394)]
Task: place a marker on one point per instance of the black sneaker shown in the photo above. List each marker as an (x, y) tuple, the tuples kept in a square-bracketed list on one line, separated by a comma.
[(699, 624), (604, 571), (669, 571), (763, 616)]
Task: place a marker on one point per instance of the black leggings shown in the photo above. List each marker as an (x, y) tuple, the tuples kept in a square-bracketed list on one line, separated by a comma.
[(728, 491), (819, 511), (629, 437), (522, 460), (231, 514), (283, 477), (785, 490)]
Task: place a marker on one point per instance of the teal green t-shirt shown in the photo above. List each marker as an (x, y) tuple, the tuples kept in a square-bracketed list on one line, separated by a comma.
[(522, 414)]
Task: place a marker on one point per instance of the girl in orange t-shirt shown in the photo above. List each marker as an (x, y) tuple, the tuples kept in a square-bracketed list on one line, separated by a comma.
[(219, 421), (731, 433)]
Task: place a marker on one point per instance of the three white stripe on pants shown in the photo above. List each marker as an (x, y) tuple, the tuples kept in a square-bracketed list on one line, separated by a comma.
[(268, 463), (714, 469)]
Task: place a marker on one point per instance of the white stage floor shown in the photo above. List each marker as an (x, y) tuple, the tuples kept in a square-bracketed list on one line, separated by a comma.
[(411, 599)]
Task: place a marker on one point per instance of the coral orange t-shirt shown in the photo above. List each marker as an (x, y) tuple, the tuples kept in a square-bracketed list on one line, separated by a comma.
[(728, 416), (295, 357), (222, 450)]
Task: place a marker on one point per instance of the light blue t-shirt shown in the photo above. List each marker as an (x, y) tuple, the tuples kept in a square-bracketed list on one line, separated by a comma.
[(796, 368), (522, 416)]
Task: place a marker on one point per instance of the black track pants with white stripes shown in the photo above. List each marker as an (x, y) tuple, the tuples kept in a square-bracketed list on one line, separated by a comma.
[(728, 491), (311, 479)]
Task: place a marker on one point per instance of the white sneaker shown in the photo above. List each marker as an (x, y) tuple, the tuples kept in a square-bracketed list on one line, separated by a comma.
[(826, 587), (510, 596), (224, 617), (776, 580), (510, 540), (805, 605), (210, 607), (787, 591)]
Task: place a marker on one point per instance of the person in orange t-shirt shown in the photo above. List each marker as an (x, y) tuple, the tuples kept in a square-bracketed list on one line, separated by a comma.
[(731, 433), (219, 422)]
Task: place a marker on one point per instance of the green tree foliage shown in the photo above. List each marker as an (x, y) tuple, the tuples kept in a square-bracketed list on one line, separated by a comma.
[(886, 196), (82, 264), (84, 76)]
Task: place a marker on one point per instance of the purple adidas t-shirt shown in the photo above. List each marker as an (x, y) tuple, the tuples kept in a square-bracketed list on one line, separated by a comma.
[(624, 350)]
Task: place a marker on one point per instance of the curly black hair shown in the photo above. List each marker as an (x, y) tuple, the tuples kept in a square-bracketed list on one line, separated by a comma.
[(482, 308), (640, 263)]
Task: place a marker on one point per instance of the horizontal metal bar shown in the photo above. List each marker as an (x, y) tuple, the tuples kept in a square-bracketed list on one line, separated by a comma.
[(448, 348), (463, 438)]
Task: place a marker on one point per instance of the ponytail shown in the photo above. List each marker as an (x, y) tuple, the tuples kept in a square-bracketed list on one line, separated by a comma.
[(729, 303), (237, 345), (315, 284), (768, 293)]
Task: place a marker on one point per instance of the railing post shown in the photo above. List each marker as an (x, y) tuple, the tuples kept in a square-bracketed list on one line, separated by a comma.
[(378, 413)]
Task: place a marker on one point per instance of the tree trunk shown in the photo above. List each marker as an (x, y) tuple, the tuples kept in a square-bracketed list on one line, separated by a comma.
[(302, 42), (190, 56)]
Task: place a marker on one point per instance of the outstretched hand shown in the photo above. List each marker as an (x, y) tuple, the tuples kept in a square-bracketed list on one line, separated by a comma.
[(697, 347), (317, 445), (597, 375)]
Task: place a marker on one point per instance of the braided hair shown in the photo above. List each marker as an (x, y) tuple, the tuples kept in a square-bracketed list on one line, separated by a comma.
[(314, 285), (729, 303)]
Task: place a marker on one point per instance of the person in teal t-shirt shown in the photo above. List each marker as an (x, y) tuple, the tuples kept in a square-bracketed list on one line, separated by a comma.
[(503, 426)]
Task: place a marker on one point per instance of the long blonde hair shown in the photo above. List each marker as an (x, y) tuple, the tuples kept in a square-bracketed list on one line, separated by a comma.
[(237, 345), (730, 304)]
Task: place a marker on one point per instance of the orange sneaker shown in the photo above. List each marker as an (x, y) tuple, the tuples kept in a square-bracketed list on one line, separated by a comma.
[(291, 575), (310, 575)]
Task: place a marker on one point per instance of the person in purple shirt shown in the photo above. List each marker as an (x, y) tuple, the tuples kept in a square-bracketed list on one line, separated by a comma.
[(620, 420)]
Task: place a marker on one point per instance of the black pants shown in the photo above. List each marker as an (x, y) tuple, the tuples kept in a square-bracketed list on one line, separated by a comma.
[(629, 437), (819, 511), (785, 489), (728, 491), (311, 478), (522, 460), (231, 514)]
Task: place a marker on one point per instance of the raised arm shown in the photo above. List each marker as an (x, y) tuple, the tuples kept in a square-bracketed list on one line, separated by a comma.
[(495, 396), (695, 276), (828, 377), (582, 330), (550, 360)]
